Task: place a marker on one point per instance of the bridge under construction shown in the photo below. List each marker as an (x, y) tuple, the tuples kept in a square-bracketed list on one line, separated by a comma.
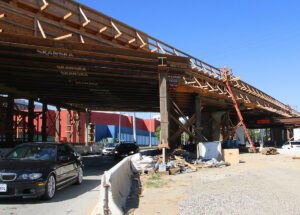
[(68, 55)]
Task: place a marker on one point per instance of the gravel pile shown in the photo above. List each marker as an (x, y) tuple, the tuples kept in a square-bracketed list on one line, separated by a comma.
[(239, 197)]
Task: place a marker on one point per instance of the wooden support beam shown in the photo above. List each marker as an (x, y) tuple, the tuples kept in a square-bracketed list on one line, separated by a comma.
[(41, 29), (87, 21), (141, 40), (164, 105), (233, 130), (236, 78), (182, 126), (68, 126), (132, 40), (101, 30), (198, 82), (194, 66), (159, 46), (154, 50), (175, 52), (77, 127), (63, 37), (119, 33), (181, 130), (44, 6), (57, 126), (68, 15), (205, 70), (81, 39), (221, 91), (212, 88)]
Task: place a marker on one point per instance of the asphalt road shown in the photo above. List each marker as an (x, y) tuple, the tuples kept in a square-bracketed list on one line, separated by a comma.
[(72, 200)]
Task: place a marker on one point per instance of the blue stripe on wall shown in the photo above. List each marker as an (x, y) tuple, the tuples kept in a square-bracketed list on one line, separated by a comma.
[(104, 131)]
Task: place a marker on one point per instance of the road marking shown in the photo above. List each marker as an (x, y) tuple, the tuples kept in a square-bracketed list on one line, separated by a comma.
[(92, 209)]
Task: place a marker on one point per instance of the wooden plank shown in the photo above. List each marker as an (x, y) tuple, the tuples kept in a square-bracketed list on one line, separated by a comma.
[(182, 126), (44, 6), (164, 106), (186, 163), (63, 37), (68, 15)]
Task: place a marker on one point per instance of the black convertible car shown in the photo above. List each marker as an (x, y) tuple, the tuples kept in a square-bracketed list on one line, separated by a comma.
[(38, 170), (125, 149)]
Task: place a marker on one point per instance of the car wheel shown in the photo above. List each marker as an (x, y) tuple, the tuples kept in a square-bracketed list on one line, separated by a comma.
[(50, 188), (80, 176)]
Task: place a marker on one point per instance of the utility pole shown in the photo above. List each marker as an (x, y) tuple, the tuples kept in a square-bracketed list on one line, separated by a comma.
[(134, 128), (120, 122), (150, 132)]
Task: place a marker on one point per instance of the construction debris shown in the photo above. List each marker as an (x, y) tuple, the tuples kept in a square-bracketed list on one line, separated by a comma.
[(269, 151), (180, 161), (142, 163), (211, 163), (186, 163)]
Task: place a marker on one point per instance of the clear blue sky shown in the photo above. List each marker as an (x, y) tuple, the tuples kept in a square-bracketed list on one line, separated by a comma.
[(259, 40)]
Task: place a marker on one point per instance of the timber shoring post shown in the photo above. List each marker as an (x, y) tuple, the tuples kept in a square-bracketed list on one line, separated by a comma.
[(57, 125), (77, 127), (44, 122), (30, 120), (68, 126), (24, 127), (164, 105)]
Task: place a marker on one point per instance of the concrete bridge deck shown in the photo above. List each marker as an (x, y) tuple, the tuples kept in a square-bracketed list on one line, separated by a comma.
[(68, 55)]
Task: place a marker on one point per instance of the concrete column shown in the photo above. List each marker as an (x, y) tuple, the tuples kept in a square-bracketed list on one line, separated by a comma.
[(289, 133), (68, 126), (277, 136), (57, 126), (207, 126), (216, 126), (285, 135), (9, 120), (44, 123), (30, 130)]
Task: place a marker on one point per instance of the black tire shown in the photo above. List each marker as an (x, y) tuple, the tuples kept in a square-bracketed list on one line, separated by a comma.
[(50, 188), (79, 177)]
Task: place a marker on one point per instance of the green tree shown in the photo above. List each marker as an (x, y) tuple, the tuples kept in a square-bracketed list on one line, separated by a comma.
[(157, 133), (185, 137)]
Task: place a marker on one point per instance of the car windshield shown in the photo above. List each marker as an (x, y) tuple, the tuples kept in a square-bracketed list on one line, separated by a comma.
[(31, 152), (110, 145), (295, 143)]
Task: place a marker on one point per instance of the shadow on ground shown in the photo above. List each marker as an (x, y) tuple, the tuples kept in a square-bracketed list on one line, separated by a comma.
[(94, 167)]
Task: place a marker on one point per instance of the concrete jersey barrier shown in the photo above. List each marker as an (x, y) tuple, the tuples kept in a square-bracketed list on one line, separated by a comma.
[(118, 179)]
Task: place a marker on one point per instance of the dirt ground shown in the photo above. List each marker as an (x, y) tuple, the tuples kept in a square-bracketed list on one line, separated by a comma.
[(259, 184)]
